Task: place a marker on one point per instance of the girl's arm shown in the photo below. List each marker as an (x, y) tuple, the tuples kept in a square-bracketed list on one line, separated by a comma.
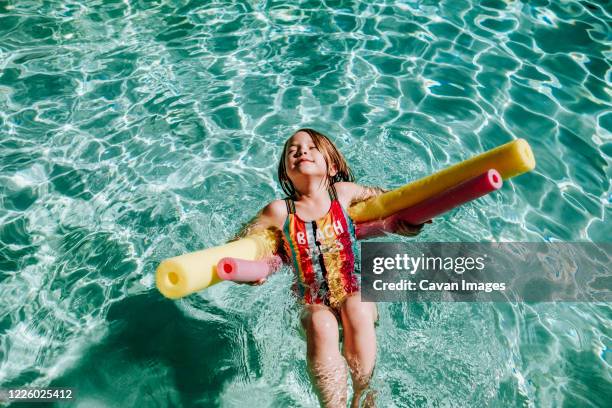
[(363, 193), (271, 216), (352, 193), (357, 193)]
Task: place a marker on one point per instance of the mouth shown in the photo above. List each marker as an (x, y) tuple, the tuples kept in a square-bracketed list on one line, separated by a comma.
[(303, 161)]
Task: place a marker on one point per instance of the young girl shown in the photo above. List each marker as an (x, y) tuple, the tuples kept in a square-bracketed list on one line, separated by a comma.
[(320, 244)]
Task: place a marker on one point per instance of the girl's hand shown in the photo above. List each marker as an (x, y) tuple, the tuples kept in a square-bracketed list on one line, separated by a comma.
[(255, 283), (408, 230)]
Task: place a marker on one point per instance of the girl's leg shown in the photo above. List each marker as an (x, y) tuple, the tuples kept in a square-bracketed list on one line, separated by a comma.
[(327, 367), (359, 343)]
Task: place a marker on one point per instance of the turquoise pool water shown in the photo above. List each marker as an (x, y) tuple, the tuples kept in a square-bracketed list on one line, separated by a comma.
[(131, 131)]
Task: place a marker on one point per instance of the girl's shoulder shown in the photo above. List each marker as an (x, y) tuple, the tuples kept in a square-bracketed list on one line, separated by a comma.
[(275, 213), (347, 192)]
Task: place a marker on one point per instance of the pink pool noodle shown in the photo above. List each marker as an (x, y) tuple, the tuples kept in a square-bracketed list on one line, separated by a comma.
[(241, 270), (426, 210)]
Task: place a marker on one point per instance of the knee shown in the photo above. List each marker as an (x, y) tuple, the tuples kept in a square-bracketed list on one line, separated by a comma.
[(359, 315), (321, 327)]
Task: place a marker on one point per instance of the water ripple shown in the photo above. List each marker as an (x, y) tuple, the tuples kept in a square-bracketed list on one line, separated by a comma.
[(134, 131)]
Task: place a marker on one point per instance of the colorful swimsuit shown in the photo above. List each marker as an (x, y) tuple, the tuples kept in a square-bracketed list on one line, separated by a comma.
[(323, 254)]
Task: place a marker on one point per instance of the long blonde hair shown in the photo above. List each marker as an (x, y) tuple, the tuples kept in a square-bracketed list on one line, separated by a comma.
[(332, 157)]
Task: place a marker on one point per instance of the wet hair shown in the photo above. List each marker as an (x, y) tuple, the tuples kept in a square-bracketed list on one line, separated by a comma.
[(330, 153)]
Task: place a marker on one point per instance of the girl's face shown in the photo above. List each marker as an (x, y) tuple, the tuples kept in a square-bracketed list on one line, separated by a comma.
[(303, 158)]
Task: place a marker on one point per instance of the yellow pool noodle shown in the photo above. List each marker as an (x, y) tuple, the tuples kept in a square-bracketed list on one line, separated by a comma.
[(510, 159), (186, 274)]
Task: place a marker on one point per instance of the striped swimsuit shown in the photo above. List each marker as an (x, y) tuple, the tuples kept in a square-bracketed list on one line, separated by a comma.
[(323, 254)]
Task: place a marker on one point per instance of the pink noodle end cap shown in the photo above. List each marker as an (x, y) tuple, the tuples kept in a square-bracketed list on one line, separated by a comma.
[(242, 270)]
